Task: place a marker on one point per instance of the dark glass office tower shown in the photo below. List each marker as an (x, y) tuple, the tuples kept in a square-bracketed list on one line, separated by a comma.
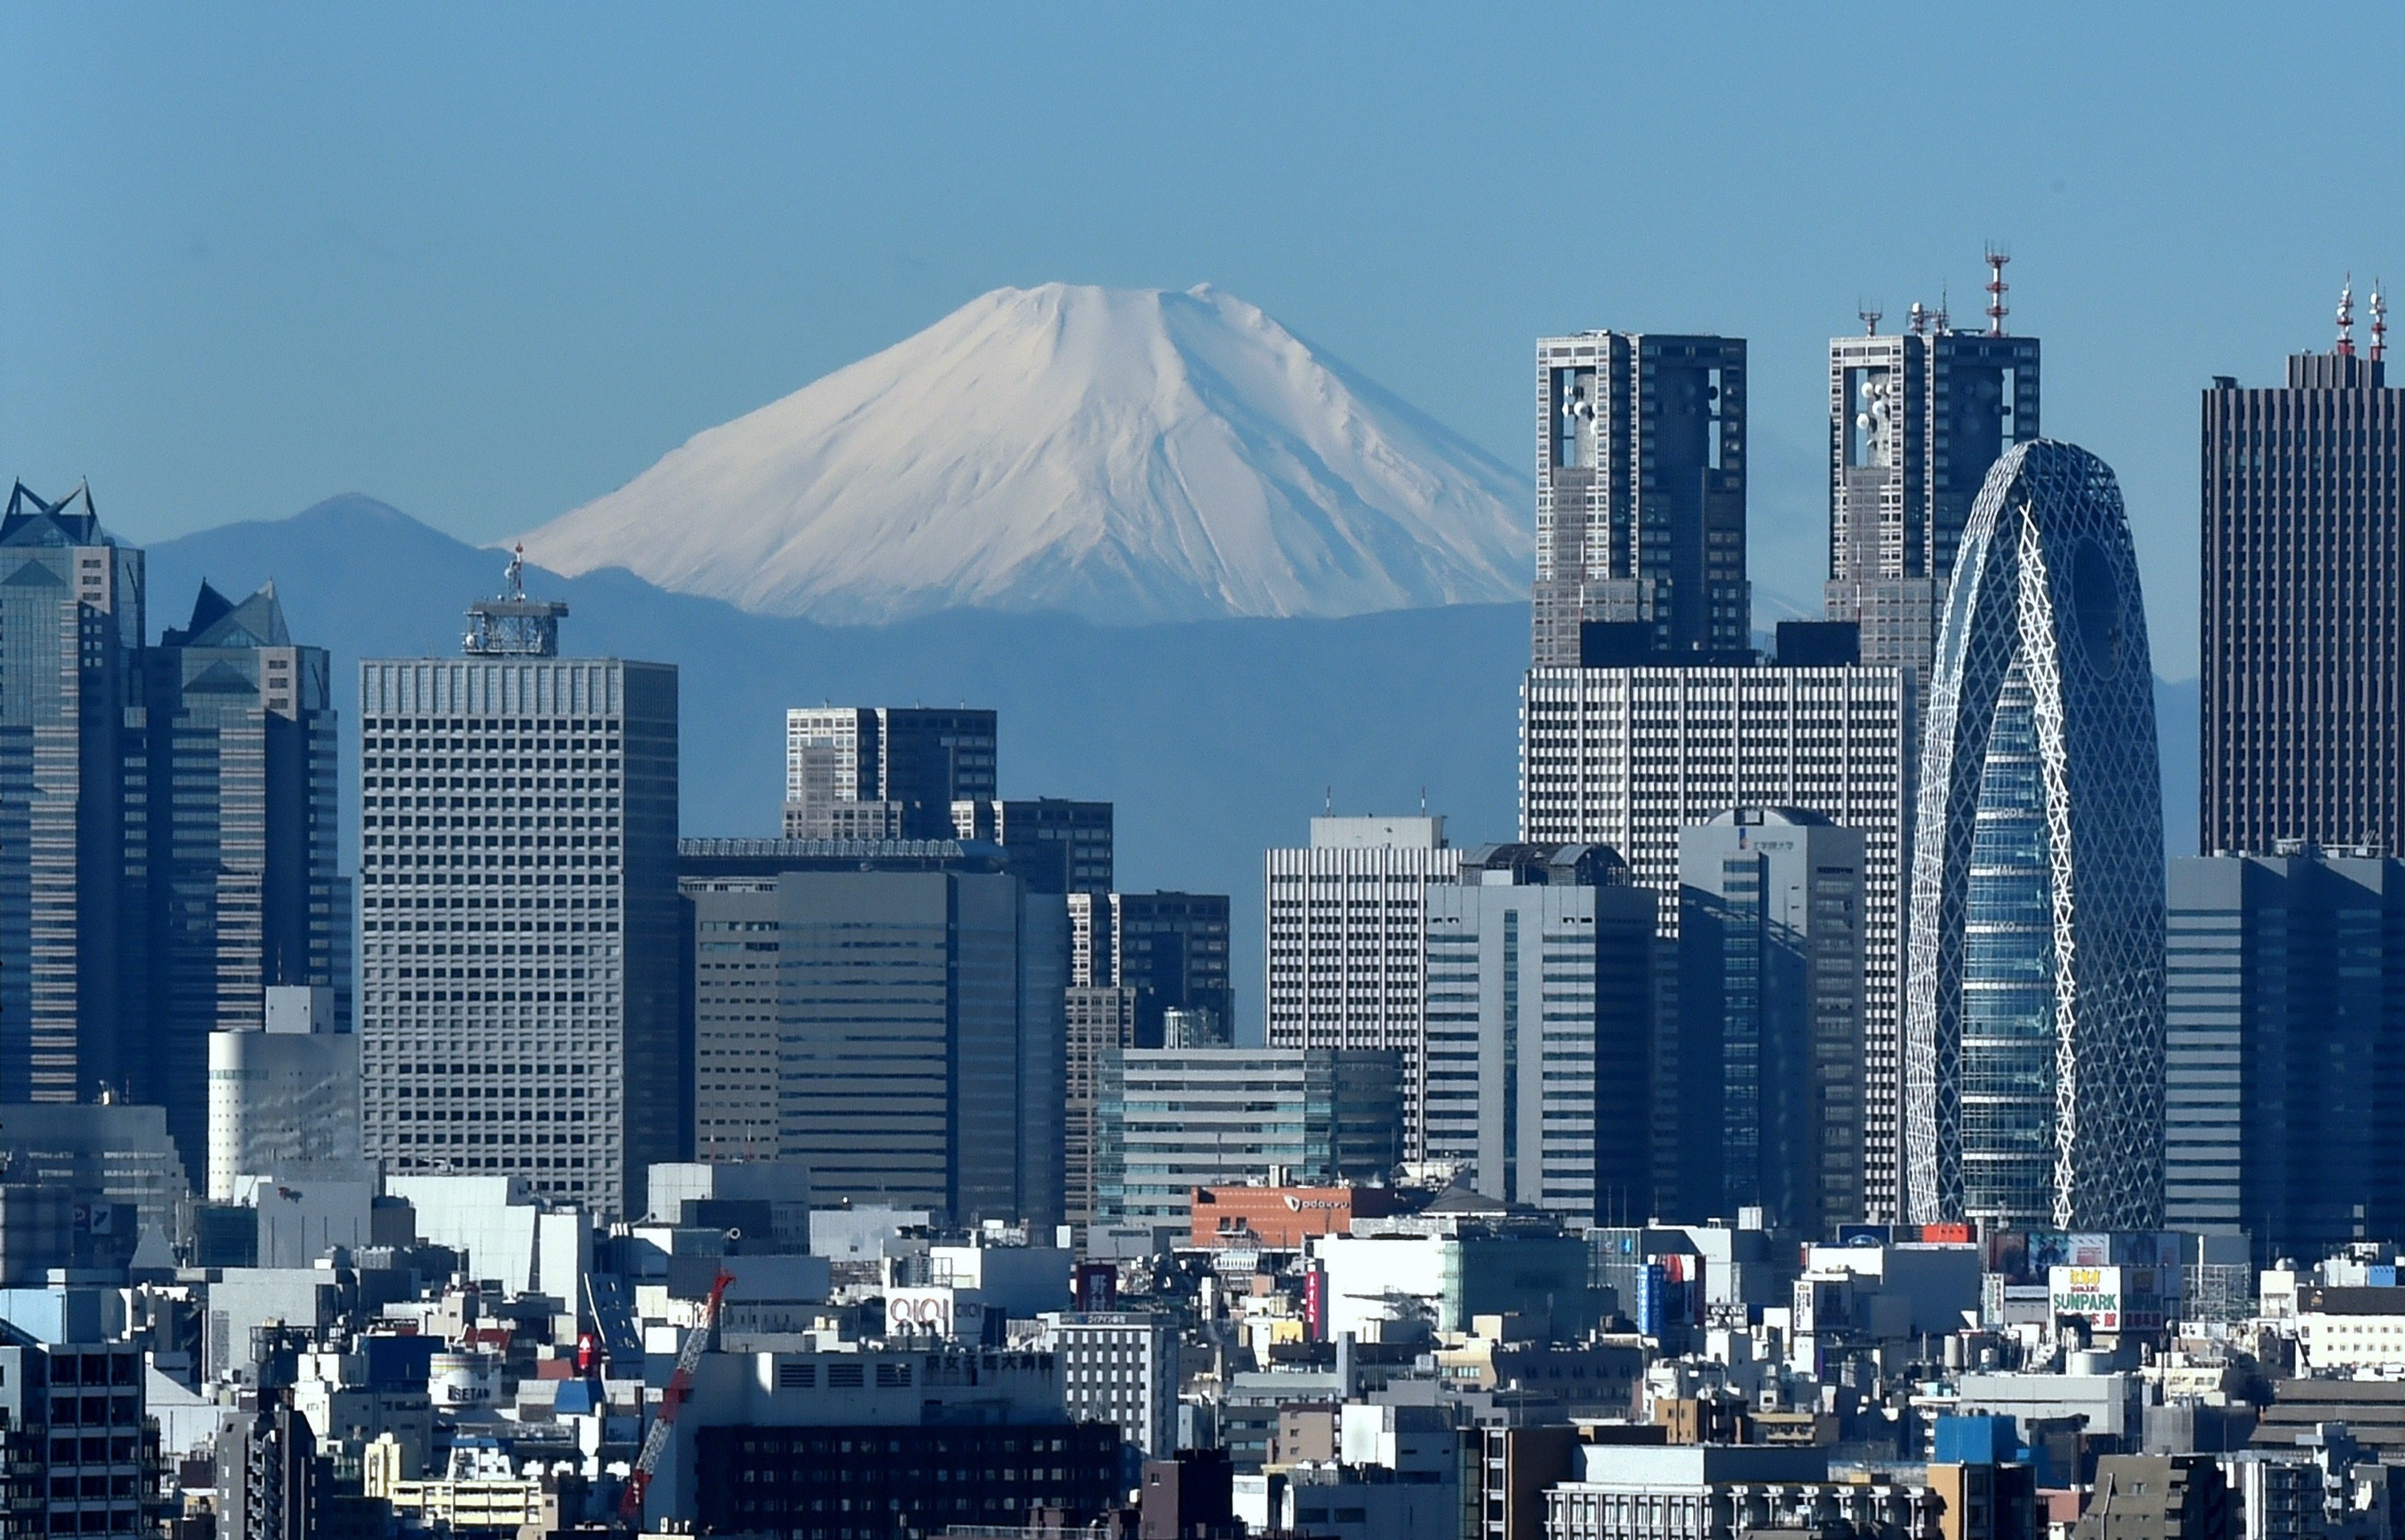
[(2286, 1049), (1640, 492), (1915, 420), (245, 890), (73, 858), (2304, 557)]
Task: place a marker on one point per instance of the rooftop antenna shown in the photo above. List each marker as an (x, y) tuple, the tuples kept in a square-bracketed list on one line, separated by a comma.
[(1870, 313), (2379, 323), (1424, 801), (1942, 322), (1997, 308), (1918, 320), (1328, 804), (514, 577), (2346, 319)]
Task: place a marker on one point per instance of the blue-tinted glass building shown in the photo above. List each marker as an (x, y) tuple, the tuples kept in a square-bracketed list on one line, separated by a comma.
[(2034, 995), (72, 802)]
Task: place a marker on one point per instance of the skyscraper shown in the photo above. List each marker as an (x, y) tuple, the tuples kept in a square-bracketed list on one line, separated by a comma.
[(2303, 648), (1058, 845), (1540, 998), (1629, 757), (73, 810), (898, 1009), (2285, 983), (884, 772), (1771, 948), (1915, 420), (246, 892), (1641, 491), (1348, 942), (520, 951), (2034, 1013), (875, 1044)]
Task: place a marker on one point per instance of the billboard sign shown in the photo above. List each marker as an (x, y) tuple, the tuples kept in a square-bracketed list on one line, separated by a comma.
[(2092, 1294)]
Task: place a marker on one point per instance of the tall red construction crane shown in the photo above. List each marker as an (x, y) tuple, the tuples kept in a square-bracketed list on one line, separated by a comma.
[(655, 1441)]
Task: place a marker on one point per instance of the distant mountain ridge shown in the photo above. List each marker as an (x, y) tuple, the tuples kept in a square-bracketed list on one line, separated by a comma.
[(1126, 455), (1215, 738)]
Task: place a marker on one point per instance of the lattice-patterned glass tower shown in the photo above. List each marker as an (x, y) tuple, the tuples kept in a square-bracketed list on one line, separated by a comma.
[(1641, 491), (2034, 988)]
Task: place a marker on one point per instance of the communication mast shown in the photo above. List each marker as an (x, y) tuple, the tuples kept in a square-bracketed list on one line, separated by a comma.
[(2378, 322), (2346, 319), (1997, 308)]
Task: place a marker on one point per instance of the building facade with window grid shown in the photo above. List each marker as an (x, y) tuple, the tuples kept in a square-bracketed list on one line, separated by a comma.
[(2303, 648), (1627, 757), (1348, 942), (519, 950), (1641, 491), (1539, 1002)]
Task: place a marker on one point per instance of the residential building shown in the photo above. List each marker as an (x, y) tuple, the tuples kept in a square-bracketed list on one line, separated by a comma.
[(271, 1481), (1058, 846), (943, 1434), (2158, 1497), (1119, 1368), (884, 772), (2285, 1008), (1627, 756), (1348, 942), (1174, 1120), (520, 951), (1670, 1492), (73, 903), (246, 893), (1641, 491), (284, 1092), (1540, 1014), (903, 999), (2034, 1032), (1915, 420), (2303, 650), (1771, 1067), (71, 1409)]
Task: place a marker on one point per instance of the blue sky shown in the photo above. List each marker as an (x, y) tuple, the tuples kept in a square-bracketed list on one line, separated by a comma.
[(486, 262)]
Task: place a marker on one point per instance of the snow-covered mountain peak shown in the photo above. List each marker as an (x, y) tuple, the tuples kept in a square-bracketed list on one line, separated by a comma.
[(1125, 454)]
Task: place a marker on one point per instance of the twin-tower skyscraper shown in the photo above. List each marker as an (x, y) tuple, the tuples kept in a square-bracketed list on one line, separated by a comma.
[(1978, 701)]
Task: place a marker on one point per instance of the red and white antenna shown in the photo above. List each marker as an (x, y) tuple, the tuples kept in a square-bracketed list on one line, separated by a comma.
[(1997, 308), (2378, 322), (2346, 319)]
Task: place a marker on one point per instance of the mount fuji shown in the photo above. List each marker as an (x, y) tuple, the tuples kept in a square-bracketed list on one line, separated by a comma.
[(1124, 456)]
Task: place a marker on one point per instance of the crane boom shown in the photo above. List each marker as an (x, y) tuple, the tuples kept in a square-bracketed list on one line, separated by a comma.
[(680, 1386)]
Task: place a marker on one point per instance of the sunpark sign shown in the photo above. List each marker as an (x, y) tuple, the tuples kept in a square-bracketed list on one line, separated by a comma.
[(2092, 1294)]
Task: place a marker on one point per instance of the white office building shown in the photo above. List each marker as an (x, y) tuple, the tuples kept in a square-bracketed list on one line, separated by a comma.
[(1629, 757), (285, 1095), (1119, 1368), (1348, 942), (1540, 999), (519, 947)]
